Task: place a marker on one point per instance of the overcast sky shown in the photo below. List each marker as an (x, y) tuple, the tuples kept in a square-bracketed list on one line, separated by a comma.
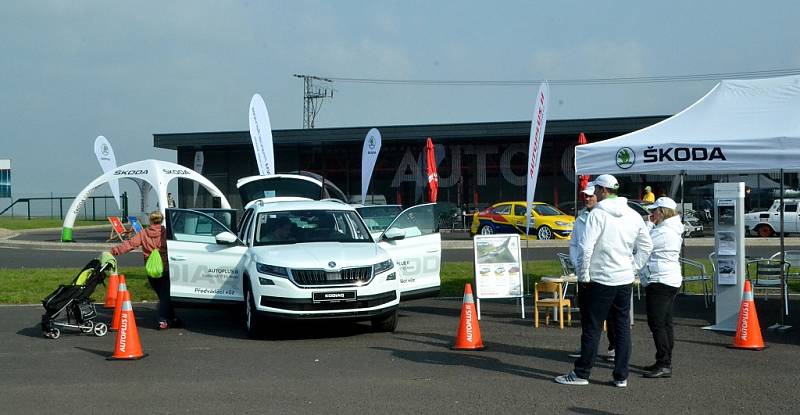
[(73, 70)]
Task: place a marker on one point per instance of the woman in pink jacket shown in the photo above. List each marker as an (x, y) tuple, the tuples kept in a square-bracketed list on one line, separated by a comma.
[(153, 240)]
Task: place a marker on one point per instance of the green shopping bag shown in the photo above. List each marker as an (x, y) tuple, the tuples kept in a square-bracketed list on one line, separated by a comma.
[(154, 266)]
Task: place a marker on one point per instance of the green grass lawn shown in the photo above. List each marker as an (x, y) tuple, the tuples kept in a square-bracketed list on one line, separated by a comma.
[(41, 223), (31, 285)]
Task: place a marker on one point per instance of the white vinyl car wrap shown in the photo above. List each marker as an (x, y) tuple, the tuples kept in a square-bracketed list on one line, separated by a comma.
[(297, 258)]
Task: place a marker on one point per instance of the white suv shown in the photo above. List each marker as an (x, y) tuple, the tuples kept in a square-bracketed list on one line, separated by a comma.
[(294, 258)]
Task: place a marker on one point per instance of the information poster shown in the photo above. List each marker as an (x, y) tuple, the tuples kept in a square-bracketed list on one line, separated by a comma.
[(498, 266), (727, 243), (726, 267), (726, 212)]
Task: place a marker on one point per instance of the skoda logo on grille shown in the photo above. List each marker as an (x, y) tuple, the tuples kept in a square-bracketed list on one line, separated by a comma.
[(331, 264)]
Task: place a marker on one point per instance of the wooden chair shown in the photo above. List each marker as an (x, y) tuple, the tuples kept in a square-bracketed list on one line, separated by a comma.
[(554, 297)]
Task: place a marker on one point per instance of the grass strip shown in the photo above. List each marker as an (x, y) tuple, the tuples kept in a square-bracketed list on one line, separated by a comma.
[(31, 285), (17, 224)]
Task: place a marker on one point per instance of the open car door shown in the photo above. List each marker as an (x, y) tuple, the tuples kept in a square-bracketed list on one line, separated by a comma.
[(414, 243), (205, 256)]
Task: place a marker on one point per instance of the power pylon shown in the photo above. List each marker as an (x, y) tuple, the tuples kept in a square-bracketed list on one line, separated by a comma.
[(313, 97)]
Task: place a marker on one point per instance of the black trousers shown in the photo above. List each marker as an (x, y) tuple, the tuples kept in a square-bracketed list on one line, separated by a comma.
[(161, 286), (609, 326), (599, 302), (659, 299)]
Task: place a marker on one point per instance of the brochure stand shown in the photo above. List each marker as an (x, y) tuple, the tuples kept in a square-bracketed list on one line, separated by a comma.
[(730, 264)]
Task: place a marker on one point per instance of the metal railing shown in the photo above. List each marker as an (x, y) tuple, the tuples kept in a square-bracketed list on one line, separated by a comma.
[(90, 202)]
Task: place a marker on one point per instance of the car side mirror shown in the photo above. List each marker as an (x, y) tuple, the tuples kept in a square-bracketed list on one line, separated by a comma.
[(394, 234), (226, 238)]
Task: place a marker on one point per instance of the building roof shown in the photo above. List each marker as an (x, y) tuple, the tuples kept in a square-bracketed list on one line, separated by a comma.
[(440, 132)]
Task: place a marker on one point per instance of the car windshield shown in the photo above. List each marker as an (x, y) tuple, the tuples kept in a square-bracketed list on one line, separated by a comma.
[(378, 218), (300, 226), (547, 210)]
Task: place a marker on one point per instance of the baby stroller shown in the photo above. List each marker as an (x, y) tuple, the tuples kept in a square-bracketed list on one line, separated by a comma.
[(73, 300)]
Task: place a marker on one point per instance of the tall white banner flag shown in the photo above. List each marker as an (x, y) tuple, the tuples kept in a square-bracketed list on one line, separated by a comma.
[(535, 145), (369, 155), (261, 133), (107, 160), (198, 167)]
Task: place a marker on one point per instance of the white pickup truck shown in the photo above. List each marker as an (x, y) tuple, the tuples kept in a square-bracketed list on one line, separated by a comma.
[(768, 223)]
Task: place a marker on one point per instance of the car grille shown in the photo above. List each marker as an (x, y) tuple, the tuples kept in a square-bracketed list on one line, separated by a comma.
[(343, 277)]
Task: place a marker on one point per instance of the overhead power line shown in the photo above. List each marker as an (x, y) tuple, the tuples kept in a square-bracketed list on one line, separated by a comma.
[(590, 81)]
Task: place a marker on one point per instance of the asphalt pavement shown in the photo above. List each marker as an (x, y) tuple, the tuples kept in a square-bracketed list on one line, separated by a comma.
[(211, 367)]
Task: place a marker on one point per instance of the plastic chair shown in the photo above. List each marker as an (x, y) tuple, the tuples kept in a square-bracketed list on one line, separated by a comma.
[(555, 298), (699, 275)]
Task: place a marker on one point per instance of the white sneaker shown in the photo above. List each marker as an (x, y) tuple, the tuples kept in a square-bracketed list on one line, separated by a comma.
[(576, 353), (621, 383), (611, 355), (571, 379)]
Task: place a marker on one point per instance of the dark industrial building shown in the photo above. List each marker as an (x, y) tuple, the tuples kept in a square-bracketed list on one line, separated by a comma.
[(481, 163)]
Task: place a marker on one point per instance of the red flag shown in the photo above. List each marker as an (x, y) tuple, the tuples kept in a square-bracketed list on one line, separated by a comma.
[(584, 180), (433, 177)]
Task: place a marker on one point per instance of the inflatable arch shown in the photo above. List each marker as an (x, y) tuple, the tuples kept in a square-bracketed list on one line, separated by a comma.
[(156, 173)]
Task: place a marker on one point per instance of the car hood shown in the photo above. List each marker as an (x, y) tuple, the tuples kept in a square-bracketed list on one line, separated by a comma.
[(552, 219), (318, 255)]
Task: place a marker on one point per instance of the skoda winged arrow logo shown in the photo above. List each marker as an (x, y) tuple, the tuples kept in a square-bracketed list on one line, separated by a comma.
[(625, 158), (371, 143), (331, 264)]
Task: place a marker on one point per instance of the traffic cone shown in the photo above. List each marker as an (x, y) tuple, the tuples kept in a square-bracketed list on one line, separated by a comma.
[(111, 291), (123, 287), (469, 333), (127, 346), (748, 331)]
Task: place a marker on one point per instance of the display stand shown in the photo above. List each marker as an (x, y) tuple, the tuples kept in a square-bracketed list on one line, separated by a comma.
[(498, 269), (730, 254)]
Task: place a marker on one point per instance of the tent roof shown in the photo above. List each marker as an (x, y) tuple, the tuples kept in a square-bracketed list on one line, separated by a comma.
[(739, 126)]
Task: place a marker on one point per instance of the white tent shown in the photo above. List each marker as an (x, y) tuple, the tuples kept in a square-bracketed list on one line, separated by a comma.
[(739, 126), (156, 173)]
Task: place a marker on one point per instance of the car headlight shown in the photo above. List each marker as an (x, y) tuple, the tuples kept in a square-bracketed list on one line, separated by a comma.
[(382, 267), (563, 224), (272, 270)]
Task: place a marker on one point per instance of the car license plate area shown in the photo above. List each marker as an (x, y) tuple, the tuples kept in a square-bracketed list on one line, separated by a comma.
[(334, 296)]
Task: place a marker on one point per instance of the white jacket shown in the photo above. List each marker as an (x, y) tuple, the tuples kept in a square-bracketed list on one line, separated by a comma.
[(616, 244), (663, 266), (578, 230)]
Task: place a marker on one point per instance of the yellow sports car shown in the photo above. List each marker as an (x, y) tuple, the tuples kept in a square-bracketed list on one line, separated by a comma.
[(547, 222)]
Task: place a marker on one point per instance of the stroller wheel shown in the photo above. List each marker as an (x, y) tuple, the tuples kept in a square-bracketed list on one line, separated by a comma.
[(87, 326), (53, 334), (100, 329)]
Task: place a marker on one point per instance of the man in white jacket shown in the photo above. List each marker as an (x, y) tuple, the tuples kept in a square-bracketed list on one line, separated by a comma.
[(575, 254), (616, 245)]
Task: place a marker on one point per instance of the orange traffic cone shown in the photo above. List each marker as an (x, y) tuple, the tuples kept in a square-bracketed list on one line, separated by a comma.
[(469, 333), (111, 291), (128, 346), (123, 287), (748, 331)]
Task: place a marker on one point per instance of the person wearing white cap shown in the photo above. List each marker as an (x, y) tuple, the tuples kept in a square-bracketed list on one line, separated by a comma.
[(575, 255), (616, 245), (662, 279)]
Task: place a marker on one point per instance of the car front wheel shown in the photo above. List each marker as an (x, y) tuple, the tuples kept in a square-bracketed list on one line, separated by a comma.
[(386, 324), (252, 321), (544, 232)]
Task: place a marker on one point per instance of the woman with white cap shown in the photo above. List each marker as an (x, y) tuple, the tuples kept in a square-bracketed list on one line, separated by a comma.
[(662, 280)]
